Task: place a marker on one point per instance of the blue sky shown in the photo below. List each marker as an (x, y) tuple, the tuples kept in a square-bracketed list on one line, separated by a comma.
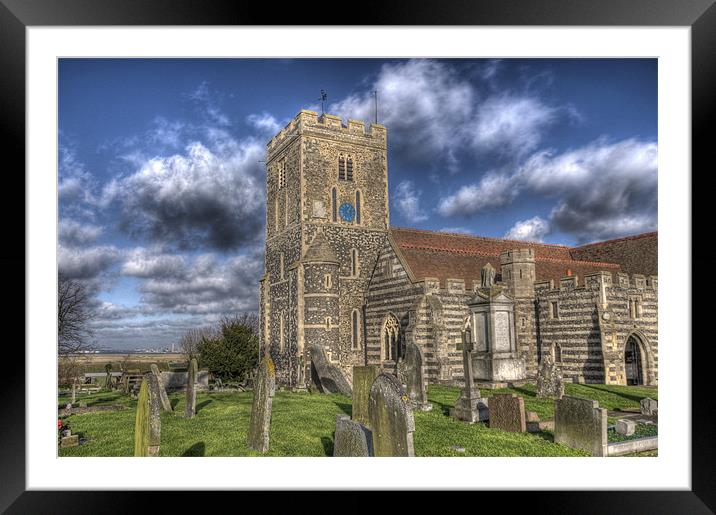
[(161, 187)]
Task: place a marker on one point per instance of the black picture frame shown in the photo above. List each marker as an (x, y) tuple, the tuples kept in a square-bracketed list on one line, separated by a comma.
[(16, 15)]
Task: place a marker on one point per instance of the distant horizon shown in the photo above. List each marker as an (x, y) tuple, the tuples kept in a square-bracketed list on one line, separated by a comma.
[(162, 184)]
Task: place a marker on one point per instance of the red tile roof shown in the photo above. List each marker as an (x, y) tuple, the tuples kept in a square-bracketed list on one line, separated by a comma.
[(459, 256)]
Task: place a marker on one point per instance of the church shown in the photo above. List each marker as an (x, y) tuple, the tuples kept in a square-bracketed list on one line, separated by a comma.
[(340, 279)]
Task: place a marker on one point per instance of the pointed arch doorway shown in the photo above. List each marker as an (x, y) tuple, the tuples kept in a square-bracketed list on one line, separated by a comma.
[(633, 362)]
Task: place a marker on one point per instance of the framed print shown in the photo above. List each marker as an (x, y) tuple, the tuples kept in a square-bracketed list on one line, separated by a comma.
[(431, 236)]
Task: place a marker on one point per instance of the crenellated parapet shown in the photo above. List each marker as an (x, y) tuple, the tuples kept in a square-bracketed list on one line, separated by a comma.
[(309, 121)]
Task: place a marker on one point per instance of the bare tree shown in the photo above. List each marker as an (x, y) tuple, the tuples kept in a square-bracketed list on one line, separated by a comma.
[(73, 314), (189, 343)]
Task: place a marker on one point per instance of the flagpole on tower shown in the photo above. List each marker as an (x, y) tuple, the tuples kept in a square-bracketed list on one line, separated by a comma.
[(323, 98)]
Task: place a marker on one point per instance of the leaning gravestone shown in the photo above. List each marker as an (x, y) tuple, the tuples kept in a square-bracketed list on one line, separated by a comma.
[(330, 376), (581, 424), (147, 423), (549, 379), (415, 379), (190, 405), (166, 405), (264, 389), (363, 378), (507, 412), (649, 406), (391, 418), (351, 439)]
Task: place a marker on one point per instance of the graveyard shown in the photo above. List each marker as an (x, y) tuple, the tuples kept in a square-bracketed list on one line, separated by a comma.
[(304, 423)]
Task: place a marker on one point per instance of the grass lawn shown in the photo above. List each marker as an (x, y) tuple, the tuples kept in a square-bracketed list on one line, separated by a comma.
[(303, 424)]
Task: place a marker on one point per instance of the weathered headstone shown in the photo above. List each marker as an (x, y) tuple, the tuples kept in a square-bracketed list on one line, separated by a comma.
[(625, 427), (166, 405), (69, 441), (549, 379), (147, 423), (391, 418), (507, 412), (581, 424), (363, 378), (264, 389), (470, 407), (190, 404), (74, 392), (649, 406), (351, 438), (330, 376), (415, 379), (108, 380)]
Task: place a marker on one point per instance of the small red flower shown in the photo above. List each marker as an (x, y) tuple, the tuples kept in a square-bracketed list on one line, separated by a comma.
[(59, 423)]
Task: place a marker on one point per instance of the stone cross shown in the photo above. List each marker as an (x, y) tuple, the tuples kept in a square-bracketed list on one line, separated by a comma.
[(391, 418), (147, 423), (264, 389), (166, 405), (363, 378), (415, 379), (469, 407), (190, 405)]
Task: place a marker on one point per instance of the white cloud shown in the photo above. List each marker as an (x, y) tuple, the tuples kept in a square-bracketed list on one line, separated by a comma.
[(148, 263), (71, 232), (493, 190), (434, 111), (264, 122), (86, 263), (533, 229), (406, 200), (203, 197)]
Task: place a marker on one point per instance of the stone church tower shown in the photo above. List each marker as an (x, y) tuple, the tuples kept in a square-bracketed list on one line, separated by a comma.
[(326, 220)]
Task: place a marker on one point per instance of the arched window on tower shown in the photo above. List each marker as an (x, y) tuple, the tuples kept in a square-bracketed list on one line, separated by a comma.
[(334, 204), (275, 213), (355, 330), (341, 167), (355, 264), (358, 199)]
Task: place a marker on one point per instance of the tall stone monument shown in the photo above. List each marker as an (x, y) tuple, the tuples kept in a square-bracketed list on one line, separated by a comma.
[(190, 405), (166, 405), (391, 418), (264, 389), (470, 407), (492, 323), (415, 378), (147, 423)]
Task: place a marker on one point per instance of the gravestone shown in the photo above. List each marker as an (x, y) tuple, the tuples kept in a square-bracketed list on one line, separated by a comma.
[(363, 378), (330, 376), (74, 392), (69, 441), (649, 406), (391, 418), (581, 424), (264, 389), (108, 380), (351, 439), (147, 423), (625, 427), (190, 404), (549, 379), (415, 379), (166, 405), (469, 407), (507, 412)]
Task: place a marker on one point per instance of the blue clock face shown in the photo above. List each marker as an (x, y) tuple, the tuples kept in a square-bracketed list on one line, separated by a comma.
[(347, 212)]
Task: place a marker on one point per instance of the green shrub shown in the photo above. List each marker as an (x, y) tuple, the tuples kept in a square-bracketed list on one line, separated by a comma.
[(233, 351)]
